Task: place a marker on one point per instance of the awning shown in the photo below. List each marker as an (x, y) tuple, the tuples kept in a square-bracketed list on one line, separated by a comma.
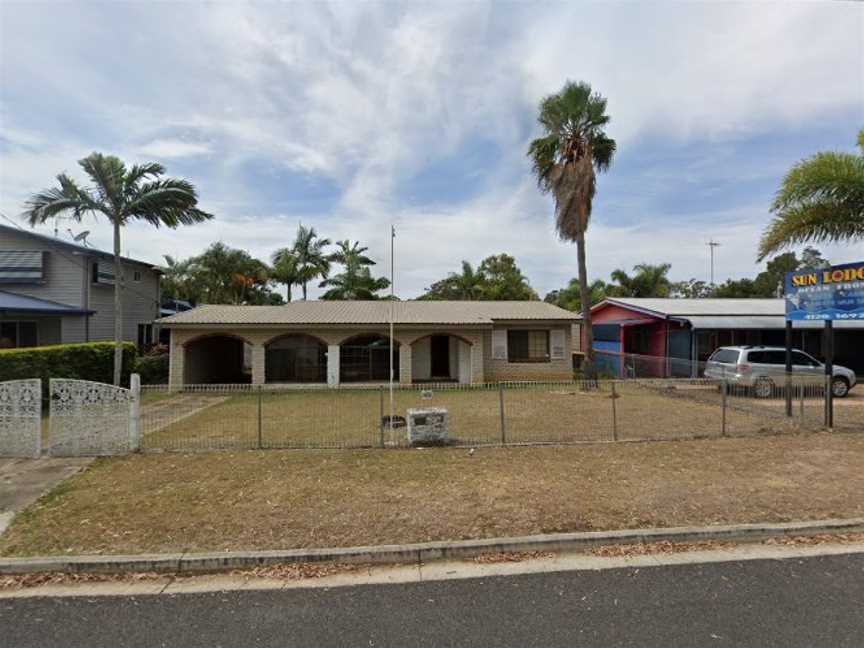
[(627, 322), (15, 303), (757, 322)]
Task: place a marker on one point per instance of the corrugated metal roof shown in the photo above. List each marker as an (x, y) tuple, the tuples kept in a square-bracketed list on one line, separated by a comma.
[(15, 303), (711, 306), (372, 312)]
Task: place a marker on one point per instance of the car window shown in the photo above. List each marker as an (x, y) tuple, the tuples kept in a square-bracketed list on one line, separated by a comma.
[(757, 357), (776, 358), (803, 359), (727, 356)]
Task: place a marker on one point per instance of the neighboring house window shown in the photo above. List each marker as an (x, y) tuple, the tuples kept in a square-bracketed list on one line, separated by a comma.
[(103, 273), (21, 267), (17, 334), (145, 335), (527, 346), (136, 276)]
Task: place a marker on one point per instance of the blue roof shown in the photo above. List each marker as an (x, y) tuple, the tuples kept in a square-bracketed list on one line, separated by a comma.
[(15, 303)]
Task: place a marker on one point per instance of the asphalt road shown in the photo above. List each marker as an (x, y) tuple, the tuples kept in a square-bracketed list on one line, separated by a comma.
[(799, 602)]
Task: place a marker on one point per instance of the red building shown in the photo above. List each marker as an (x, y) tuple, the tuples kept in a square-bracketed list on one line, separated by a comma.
[(671, 336)]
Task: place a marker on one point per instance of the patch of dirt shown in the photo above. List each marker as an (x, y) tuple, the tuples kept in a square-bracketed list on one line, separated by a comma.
[(511, 556)]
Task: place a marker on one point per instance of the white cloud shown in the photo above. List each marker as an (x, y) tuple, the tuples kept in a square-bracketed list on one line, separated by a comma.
[(367, 96), (167, 148)]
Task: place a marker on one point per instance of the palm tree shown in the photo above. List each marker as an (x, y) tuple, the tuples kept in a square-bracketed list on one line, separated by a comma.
[(356, 282), (821, 199), (647, 281), (348, 254), (312, 262), (565, 158), (121, 195), (285, 269), (469, 284)]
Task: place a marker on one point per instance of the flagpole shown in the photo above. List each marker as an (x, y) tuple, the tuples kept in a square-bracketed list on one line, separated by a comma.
[(392, 304)]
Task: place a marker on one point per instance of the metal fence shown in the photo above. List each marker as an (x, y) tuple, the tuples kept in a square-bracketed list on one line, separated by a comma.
[(204, 417)]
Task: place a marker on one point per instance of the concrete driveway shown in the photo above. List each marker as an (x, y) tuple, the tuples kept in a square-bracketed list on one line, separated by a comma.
[(23, 481)]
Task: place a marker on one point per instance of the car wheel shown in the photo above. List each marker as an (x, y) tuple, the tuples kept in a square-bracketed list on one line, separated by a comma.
[(839, 387), (763, 388)]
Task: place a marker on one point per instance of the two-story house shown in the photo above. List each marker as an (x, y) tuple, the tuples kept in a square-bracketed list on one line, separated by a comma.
[(54, 291)]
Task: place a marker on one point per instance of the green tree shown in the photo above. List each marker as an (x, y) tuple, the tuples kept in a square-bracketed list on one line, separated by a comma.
[(177, 282), (226, 275), (570, 297), (573, 146), (121, 195), (284, 269), (647, 281), (691, 289), (821, 199), (312, 261), (351, 254), (356, 282), (467, 285), (502, 280)]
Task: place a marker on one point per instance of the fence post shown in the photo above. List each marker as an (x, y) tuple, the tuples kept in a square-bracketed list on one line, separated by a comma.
[(724, 387), (260, 417), (801, 399), (135, 413), (501, 411), (614, 397), (381, 415)]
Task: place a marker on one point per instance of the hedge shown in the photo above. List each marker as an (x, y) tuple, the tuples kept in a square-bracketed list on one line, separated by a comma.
[(153, 369), (91, 361)]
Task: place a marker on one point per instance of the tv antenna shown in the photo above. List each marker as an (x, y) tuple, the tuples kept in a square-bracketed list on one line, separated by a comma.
[(711, 245), (80, 238)]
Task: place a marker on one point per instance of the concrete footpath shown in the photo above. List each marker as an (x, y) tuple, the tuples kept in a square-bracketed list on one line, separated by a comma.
[(23, 481)]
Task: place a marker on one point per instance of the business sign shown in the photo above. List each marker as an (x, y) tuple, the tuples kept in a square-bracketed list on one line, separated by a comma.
[(835, 293)]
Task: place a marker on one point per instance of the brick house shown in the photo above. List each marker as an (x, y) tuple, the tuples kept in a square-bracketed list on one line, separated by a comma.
[(344, 342)]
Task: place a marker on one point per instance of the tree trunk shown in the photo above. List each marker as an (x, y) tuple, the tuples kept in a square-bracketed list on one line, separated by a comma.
[(585, 298), (288, 292), (118, 305), (304, 291)]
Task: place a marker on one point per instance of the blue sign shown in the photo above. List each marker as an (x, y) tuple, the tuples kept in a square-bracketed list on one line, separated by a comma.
[(835, 293)]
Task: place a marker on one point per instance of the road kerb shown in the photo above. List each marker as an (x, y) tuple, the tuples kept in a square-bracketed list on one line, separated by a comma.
[(419, 553)]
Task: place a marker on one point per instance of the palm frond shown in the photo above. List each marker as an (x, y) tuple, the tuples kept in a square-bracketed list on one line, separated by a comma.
[(168, 202), (68, 197), (107, 173)]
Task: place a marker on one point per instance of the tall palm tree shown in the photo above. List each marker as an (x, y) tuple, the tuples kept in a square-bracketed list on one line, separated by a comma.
[(573, 146), (312, 261), (348, 254), (121, 195), (285, 269), (821, 199)]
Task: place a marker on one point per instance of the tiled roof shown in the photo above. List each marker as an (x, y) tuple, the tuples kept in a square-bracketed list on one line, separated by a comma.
[(372, 312)]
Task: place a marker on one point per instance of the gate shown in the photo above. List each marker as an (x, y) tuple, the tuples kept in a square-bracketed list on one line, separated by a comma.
[(21, 418), (92, 419)]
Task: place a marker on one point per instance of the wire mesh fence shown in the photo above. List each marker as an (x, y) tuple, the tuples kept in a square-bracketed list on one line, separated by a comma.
[(205, 417)]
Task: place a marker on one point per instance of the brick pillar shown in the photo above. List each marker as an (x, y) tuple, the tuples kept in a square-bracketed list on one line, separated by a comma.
[(175, 362), (405, 364), (333, 365), (259, 358)]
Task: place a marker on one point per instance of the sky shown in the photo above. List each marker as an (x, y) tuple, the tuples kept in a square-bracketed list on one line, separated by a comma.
[(350, 117)]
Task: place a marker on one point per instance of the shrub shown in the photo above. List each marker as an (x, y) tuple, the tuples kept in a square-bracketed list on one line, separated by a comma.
[(153, 367), (90, 361)]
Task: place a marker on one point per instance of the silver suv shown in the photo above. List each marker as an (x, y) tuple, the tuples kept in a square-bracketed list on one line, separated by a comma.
[(763, 369)]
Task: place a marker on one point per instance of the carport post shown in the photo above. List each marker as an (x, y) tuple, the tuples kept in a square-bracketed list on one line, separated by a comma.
[(789, 368)]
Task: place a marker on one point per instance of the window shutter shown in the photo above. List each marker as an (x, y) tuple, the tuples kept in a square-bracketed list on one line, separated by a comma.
[(558, 343), (105, 273), (21, 267), (499, 344)]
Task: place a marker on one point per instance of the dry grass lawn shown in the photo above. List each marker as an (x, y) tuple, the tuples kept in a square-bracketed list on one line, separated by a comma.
[(289, 499), (541, 413)]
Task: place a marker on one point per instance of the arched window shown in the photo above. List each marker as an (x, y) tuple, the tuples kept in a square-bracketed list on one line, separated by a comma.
[(366, 358), (296, 359)]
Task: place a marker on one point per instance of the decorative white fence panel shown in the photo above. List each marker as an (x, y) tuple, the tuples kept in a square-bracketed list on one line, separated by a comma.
[(21, 418), (89, 418)]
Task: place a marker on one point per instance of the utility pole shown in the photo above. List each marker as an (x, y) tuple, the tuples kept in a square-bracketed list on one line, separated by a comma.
[(711, 245)]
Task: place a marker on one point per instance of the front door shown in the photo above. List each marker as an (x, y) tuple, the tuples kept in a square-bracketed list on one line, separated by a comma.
[(440, 350)]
